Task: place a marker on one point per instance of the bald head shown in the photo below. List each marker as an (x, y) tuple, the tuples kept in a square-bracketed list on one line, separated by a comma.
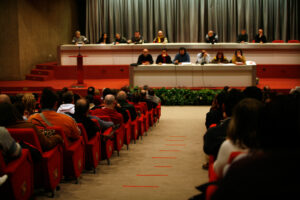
[(121, 96), (4, 98), (109, 99)]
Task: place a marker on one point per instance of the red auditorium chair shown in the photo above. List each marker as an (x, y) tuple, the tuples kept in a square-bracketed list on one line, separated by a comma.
[(92, 149), (146, 116), (133, 127), (48, 171), (140, 120), (277, 41), (293, 41), (19, 184), (106, 144), (118, 136), (73, 154)]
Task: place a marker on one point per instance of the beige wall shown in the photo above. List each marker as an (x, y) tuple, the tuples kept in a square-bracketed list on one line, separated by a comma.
[(36, 29)]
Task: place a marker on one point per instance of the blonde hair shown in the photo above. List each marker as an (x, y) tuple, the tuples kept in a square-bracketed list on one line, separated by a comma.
[(29, 102)]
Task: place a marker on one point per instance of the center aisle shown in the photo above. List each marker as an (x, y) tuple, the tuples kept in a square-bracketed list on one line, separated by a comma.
[(166, 164)]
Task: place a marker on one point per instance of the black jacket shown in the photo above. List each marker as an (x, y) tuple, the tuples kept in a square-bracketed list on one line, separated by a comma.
[(161, 59)]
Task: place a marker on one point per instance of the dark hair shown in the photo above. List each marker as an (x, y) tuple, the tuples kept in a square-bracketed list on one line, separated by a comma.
[(182, 48), (240, 50), (9, 114), (281, 124), (253, 92), (76, 98), (48, 99), (164, 49), (68, 97), (90, 98), (218, 53), (232, 99), (151, 92), (105, 92), (246, 123), (91, 91)]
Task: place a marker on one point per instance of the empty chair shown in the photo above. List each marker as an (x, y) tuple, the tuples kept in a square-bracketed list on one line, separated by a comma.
[(19, 184), (277, 41), (293, 41)]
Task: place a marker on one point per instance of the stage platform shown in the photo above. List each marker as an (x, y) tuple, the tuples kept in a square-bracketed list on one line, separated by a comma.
[(282, 85)]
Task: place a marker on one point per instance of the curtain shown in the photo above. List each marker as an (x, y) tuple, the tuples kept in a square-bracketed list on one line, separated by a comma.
[(190, 20)]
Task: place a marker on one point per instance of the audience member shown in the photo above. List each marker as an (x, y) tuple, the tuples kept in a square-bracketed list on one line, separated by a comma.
[(275, 163), (150, 104), (215, 136), (211, 37), (203, 58), (11, 120), (243, 130), (160, 38), (29, 103), (82, 116), (152, 97), (145, 58), (91, 91), (136, 39), (49, 117), (104, 39), (215, 114), (119, 39), (253, 92), (109, 110), (68, 106), (220, 58), (243, 37), (260, 37), (238, 57), (163, 58), (9, 147), (182, 56), (122, 101), (79, 39), (4, 98)]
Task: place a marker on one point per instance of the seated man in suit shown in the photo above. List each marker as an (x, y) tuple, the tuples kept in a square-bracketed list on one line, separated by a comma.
[(145, 58), (211, 37), (163, 58), (243, 37), (79, 39)]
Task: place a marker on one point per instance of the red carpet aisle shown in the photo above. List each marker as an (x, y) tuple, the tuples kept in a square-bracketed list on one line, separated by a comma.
[(166, 164)]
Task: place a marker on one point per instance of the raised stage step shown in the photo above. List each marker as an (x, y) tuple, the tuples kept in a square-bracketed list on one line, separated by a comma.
[(35, 77), (41, 72)]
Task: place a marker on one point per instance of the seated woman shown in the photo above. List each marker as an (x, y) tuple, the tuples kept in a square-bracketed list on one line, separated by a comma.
[(163, 57), (220, 58), (238, 57), (244, 128), (11, 119), (29, 103), (104, 39), (182, 56)]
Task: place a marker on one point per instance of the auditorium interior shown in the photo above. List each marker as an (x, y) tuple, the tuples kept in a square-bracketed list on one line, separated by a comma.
[(149, 99)]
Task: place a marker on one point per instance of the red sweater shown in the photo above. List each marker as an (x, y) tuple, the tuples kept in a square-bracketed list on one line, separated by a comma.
[(116, 117)]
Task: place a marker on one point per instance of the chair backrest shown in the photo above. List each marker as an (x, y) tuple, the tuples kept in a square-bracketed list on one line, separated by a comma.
[(293, 41), (27, 135), (277, 41), (83, 133), (60, 131), (104, 117), (129, 115), (2, 163)]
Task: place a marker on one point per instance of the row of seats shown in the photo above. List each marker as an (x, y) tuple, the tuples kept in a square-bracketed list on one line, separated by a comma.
[(289, 41), (68, 160)]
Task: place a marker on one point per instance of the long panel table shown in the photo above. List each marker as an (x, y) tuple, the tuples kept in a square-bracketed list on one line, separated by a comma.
[(192, 75), (109, 54)]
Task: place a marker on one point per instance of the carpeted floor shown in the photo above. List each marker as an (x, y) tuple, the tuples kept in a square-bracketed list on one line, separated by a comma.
[(166, 164)]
